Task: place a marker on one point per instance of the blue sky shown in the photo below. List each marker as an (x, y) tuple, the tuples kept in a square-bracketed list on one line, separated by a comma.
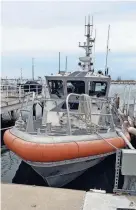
[(42, 29)]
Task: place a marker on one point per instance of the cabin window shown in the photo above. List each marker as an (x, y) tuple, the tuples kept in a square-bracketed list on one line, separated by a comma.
[(75, 87), (97, 88), (56, 87)]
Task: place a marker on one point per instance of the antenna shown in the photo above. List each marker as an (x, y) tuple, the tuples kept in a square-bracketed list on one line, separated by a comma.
[(107, 48), (59, 62), (94, 49), (92, 27), (85, 25), (88, 19), (87, 45), (66, 65), (21, 73), (32, 68)]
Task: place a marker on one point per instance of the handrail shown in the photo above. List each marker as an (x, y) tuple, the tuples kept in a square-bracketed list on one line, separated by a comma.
[(67, 106), (68, 112), (128, 103)]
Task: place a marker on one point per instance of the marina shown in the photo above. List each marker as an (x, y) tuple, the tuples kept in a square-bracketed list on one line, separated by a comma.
[(79, 124), (68, 139)]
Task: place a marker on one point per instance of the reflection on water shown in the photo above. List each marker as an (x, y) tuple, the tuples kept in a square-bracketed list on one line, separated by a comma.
[(13, 170), (100, 176), (9, 165)]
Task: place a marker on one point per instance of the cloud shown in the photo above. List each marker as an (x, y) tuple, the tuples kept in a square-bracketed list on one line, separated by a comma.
[(42, 29), (31, 27), (50, 14), (65, 38)]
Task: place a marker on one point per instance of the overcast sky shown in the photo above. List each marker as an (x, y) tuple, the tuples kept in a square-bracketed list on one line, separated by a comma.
[(42, 29)]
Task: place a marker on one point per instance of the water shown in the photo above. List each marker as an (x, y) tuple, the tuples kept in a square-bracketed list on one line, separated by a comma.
[(9, 165), (14, 170), (100, 176)]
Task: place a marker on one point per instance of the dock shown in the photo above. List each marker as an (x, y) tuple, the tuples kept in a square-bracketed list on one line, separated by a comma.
[(123, 82), (13, 96), (11, 103), (16, 196)]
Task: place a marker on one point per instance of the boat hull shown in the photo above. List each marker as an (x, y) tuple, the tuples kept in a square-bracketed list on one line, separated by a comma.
[(60, 175), (61, 159)]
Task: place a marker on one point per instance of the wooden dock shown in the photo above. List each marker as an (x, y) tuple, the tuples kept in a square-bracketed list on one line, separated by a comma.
[(26, 197)]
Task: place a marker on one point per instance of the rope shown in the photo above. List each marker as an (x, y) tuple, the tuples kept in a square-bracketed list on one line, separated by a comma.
[(106, 141), (125, 139)]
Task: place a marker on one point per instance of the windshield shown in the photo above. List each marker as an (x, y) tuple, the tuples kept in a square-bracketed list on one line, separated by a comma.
[(56, 87), (75, 87), (97, 88)]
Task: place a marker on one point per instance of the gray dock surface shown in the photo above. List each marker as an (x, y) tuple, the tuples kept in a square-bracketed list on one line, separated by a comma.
[(26, 197)]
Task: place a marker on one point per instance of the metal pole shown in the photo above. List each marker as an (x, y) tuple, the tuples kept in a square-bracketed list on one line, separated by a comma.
[(59, 62), (32, 68), (94, 49), (85, 25), (92, 27), (107, 48), (19, 93), (66, 65), (21, 75)]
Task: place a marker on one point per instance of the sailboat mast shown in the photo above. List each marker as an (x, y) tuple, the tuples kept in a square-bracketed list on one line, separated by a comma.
[(66, 64), (21, 74), (59, 63), (107, 49), (32, 68)]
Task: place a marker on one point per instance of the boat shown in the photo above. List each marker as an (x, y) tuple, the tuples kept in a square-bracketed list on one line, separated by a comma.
[(79, 125)]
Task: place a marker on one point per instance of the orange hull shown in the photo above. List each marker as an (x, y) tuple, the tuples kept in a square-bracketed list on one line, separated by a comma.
[(60, 151)]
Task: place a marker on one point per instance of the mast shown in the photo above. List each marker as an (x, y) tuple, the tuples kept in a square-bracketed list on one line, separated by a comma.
[(106, 69), (21, 74), (59, 62), (88, 45), (32, 68), (94, 50), (66, 65)]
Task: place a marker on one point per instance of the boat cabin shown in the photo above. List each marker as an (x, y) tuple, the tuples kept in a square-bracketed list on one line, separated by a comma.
[(84, 80), (79, 82)]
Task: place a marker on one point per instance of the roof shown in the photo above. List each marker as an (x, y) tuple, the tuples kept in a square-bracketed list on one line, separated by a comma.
[(80, 74)]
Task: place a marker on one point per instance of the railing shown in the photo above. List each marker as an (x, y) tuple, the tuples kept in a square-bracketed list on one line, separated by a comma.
[(84, 117), (129, 98), (19, 91), (88, 107), (16, 81)]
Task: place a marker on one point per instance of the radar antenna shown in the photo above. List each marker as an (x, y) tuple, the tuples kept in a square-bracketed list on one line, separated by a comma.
[(87, 60)]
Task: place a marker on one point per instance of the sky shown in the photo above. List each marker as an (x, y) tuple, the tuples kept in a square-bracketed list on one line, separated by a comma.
[(42, 29)]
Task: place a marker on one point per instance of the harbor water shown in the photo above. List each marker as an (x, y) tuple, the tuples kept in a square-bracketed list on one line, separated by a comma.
[(14, 170)]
